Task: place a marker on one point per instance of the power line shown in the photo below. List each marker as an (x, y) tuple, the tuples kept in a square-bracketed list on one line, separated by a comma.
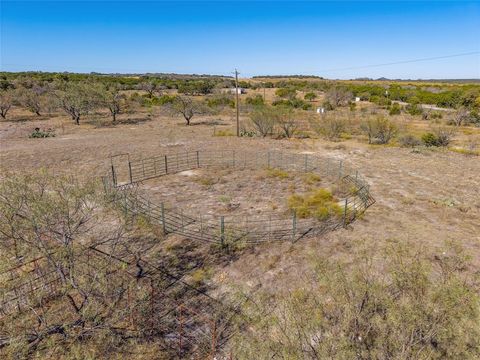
[(402, 62)]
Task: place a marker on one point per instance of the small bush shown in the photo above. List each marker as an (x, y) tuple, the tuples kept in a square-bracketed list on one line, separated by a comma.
[(414, 109), (311, 178), (310, 96), (319, 204), (331, 127), (37, 133), (247, 133), (380, 100), (222, 100), (257, 100), (409, 141), (441, 136), (429, 139), (395, 109), (277, 173), (225, 132), (379, 130), (286, 93)]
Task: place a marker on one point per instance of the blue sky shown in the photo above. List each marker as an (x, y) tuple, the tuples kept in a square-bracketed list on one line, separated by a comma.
[(321, 38)]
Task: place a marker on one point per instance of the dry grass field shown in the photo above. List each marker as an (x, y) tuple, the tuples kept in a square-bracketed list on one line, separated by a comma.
[(424, 196)]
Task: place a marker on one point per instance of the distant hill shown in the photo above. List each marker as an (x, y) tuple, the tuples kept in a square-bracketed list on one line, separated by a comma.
[(287, 77), (457, 81)]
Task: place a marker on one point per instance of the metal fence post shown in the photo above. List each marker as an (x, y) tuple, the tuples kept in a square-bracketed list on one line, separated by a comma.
[(222, 230), (130, 171), (294, 225), (345, 213), (166, 166), (181, 218), (114, 177), (198, 160), (162, 207)]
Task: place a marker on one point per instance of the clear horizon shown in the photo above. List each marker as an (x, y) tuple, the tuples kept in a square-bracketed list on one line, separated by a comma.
[(336, 40)]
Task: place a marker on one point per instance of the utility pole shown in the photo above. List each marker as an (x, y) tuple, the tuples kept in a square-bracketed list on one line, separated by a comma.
[(237, 102)]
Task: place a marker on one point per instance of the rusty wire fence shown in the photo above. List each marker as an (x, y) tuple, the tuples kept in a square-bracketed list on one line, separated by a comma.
[(232, 229)]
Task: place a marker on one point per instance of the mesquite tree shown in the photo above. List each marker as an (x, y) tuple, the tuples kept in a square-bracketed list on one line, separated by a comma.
[(77, 99), (6, 101), (113, 100), (186, 107), (35, 98)]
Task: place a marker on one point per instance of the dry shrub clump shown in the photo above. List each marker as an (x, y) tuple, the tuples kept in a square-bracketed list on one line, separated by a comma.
[(413, 307), (320, 204), (379, 130), (277, 173)]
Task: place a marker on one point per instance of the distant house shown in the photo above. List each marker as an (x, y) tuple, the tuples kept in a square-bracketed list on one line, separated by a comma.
[(320, 110), (232, 91), (357, 99)]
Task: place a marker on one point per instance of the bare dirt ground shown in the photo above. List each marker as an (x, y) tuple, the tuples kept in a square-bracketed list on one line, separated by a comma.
[(217, 191), (424, 196)]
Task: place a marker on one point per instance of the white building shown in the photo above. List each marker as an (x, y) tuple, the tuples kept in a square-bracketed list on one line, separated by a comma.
[(232, 91)]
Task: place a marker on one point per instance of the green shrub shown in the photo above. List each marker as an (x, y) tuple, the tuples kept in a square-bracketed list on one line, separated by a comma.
[(319, 204), (255, 101), (380, 100), (395, 109), (221, 101), (37, 133), (310, 96), (429, 139), (293, 103), (286, 93), (442, 136), (414, 109), (247, 133)]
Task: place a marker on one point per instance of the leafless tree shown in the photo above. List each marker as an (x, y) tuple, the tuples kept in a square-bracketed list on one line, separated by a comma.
[(460, 117), (263, 119), (148, 86), (338, 96), (285, 120), (379, 130), (186, 107)]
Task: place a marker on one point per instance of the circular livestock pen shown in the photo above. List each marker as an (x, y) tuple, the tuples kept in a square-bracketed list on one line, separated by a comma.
[(228, 229)]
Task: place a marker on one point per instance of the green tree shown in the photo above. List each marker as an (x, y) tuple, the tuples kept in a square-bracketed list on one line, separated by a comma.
[(286, 93), (77, 99), (310, 96)]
